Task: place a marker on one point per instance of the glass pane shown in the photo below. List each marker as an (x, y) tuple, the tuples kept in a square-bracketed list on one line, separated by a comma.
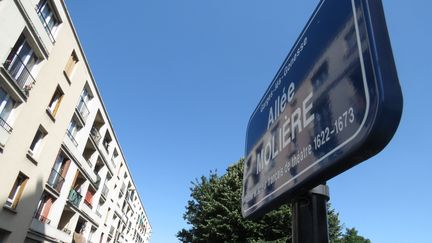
[(24, 52), (45, 11), (58, 163), (6, 104), (5, 112)]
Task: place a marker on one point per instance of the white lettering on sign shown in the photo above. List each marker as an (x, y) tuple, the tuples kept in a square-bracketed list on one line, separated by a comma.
[(280, 104), (292, 125)]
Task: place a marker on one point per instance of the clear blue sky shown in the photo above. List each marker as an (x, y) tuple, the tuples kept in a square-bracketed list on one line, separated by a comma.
[(181, 78)]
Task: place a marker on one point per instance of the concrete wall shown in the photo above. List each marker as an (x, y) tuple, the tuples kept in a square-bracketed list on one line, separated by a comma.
[(29, 114)]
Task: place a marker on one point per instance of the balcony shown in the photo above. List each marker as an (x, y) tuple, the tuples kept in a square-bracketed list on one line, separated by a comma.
[(74, 197), (55, 180), (95, 135), (20, 73), (49, 231), (5, 130), (83, 109), (41, 218), (72, 138)]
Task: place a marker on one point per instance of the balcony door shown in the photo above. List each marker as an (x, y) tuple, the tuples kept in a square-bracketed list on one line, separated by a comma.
[(61, 166), (43, 208), (21, 61)]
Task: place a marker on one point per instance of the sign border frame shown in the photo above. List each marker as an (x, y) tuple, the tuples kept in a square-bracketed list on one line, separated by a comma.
[(381, 69)]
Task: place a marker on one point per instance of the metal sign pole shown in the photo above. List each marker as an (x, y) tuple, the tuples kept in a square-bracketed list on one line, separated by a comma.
[(310, 216)]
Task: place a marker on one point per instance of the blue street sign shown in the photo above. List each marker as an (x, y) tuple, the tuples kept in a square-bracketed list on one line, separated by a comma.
[(335, 101)]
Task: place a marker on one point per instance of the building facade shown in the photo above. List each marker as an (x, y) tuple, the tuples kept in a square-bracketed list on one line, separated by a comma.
[(63, 175)]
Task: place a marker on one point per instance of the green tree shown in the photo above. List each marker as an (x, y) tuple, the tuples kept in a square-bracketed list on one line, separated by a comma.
[(351, 236), (214, 213)]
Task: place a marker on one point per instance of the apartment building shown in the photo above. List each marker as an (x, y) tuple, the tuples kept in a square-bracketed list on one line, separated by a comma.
[(63, 175)]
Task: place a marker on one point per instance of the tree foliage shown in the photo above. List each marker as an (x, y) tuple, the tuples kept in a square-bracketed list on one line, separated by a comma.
[(351, 236), (214, 213)]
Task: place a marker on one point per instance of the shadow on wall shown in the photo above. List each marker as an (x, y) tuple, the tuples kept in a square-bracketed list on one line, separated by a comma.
[(29, 218), (19, 211)]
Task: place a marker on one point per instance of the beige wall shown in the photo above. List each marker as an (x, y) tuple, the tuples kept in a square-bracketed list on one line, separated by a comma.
[(30, 113)]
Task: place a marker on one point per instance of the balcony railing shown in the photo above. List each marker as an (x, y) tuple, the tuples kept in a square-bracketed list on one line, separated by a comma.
[(41, 218), (83, 109), (20, 73), (105, 191), (55, 180), (74, 197), (72, 138), (67, 231), (5, 126), (95, 135)]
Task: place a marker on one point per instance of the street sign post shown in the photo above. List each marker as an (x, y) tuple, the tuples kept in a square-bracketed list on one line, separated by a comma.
[(335, 101)]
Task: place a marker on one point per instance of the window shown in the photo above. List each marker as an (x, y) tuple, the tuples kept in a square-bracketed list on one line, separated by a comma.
[(122, 190), (114, 157), (107, 215), (101, 238), (7, 104), (89, 197), (59, 172), (92, 231), (98, 208), (118, 172), (48, 18), (73, 59), (44, 207), (37, 140), (73, 127), (107, 140), (81, 226), (82, 104), (72, 130), (20, 63), (55, 101), (85, 95), (17, 190)]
